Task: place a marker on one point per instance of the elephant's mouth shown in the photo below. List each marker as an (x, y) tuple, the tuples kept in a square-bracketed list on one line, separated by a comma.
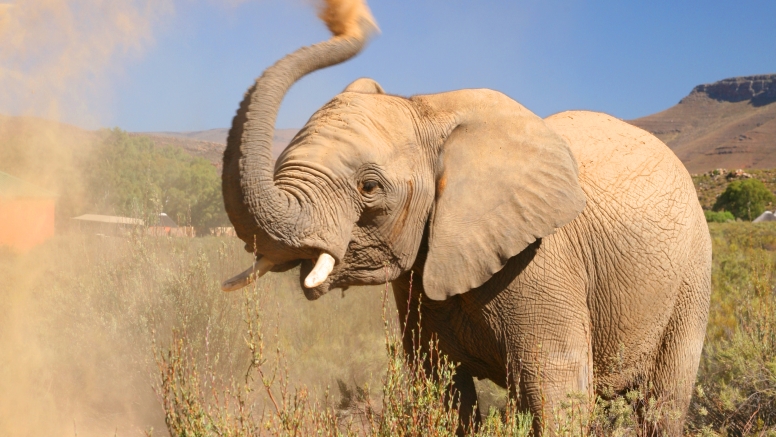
[(317, 277), (312, 293)]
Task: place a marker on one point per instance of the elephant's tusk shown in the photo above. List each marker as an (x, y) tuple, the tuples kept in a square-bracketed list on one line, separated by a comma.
[(320, 272), (257, 270)]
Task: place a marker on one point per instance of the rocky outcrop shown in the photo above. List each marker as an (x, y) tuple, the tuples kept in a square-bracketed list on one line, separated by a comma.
[(730, 123), (760, 89)]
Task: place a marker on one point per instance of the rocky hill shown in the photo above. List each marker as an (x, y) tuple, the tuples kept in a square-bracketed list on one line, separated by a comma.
[(727, 124)]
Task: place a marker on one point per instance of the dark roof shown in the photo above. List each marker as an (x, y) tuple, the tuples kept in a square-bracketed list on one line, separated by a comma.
[(166, 222), (11, 186)]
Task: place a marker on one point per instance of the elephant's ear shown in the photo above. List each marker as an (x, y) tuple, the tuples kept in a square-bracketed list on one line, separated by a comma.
[(364, 85), (504, 179)]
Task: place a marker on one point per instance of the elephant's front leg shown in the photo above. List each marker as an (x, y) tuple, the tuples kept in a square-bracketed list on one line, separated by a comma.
[(556, 384), (464, 393), (557, 391), (553, 357)]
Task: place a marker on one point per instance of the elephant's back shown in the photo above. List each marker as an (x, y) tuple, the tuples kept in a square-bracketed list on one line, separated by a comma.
[(621, 163)]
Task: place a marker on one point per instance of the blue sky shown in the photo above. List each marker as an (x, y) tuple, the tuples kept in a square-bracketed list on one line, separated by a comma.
[(625, 58)]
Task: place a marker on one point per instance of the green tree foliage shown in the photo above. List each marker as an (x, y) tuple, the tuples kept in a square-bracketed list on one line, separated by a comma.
[(129, 176), (745, 199), (719, 216)]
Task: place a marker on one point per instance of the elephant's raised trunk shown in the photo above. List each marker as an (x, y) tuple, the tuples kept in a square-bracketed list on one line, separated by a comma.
[(262, 214)]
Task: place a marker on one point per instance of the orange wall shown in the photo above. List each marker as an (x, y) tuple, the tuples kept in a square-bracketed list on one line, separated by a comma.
[(25, 223)]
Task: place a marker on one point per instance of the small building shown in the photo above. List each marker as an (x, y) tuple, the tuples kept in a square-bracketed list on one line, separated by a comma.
[(165, 226), (105, 224), (27, 213), (223, 231)]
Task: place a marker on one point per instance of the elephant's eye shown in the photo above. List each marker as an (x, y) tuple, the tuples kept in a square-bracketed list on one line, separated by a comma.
[(368, 187)]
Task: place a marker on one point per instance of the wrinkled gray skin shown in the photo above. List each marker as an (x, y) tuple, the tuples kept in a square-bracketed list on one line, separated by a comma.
[(558, 255)]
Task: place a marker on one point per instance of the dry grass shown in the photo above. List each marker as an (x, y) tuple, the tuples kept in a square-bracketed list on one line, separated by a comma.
[(267, 402), (80, 315), (736, 391), (83, 315)]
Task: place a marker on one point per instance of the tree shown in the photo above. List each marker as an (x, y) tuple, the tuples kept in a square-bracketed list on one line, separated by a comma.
[(128, 175), (745, 199)]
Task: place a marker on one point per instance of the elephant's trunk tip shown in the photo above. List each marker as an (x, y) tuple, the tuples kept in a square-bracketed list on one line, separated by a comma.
[(348, 18)]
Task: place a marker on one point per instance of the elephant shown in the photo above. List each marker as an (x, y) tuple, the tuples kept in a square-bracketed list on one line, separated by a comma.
[(552, 256)]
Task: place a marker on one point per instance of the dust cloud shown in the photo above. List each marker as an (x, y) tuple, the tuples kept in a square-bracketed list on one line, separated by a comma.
[(77, 314), (57, 58)]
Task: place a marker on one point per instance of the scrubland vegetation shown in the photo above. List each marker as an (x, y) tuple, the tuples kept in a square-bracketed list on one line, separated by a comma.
[(726, 196), (129, 175), (112, 172), (125, 336), (80, 315)]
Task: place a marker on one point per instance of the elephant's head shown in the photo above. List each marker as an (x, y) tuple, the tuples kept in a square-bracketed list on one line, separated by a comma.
[(467, 179)]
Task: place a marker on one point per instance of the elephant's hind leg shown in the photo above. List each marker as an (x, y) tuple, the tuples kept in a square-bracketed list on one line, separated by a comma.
[(676, 364)]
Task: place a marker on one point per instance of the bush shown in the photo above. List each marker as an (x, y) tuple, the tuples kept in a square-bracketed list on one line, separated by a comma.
[(719, 216), (745, 199)]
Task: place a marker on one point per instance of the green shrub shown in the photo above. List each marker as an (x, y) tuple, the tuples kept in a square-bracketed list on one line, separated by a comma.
[(745, 199), (719, 216)]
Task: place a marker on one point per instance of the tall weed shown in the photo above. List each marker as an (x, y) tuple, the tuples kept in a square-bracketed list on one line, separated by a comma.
[(266, 402)]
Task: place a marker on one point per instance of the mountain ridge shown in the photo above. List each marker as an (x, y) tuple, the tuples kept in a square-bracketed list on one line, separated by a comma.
[(730, 123)]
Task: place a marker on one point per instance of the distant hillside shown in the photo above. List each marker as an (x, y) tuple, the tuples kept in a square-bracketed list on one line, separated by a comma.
[(727, 124), (108, 171), (210, 144), (212, 151), (210, 135), (44, 151)]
